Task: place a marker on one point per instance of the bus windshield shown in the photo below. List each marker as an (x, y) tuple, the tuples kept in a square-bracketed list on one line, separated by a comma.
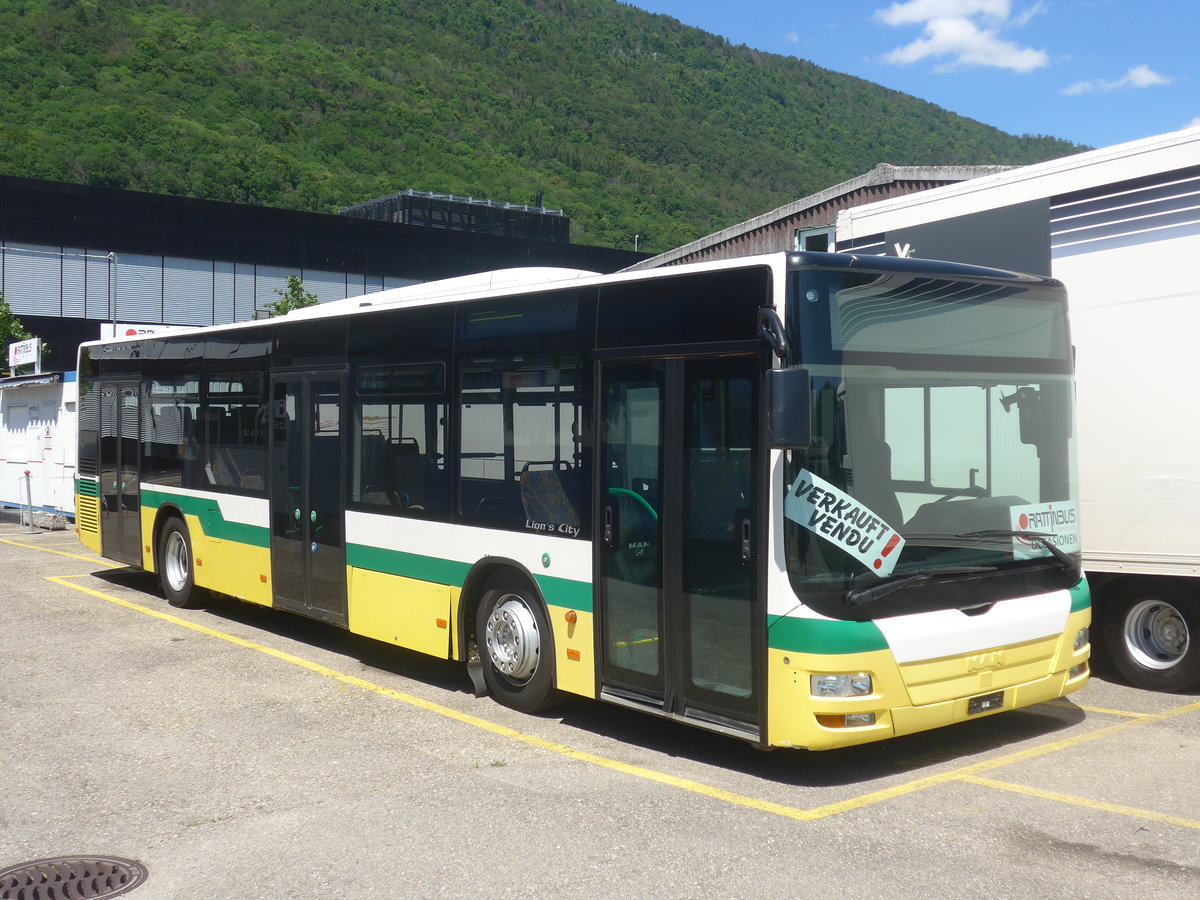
[(941, 468)]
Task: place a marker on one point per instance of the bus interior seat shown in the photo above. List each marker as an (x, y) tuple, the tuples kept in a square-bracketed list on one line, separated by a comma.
[(872, 480), (166, 423), (407, 472), (211, 425), (373, 472), (547, 493)]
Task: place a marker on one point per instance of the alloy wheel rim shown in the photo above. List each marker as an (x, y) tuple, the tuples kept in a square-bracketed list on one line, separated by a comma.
[(512, 639), (176, 563)]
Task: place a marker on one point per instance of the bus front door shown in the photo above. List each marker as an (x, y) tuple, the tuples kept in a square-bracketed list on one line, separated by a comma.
[(308, 552), (676, 543), (120, 499)]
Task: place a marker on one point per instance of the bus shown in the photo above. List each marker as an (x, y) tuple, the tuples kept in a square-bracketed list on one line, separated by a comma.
[(808, 500)]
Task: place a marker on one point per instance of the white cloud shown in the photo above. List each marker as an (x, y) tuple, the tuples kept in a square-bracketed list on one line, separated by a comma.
[(1144, 76), (963, 33), (916, 12), (1137, 77)]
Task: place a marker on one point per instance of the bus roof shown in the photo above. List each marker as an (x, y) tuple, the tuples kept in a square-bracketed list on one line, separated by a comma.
[(506, 281)]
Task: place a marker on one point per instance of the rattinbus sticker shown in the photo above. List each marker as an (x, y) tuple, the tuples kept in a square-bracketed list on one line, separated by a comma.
[(837, 517), (1059, 519)]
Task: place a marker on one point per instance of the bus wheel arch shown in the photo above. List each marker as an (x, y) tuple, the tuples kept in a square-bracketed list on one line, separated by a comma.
[(1151, 632), (510, 624), (175, 561)]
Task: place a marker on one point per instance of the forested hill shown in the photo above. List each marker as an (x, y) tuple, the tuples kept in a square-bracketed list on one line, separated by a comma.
[(633, 123)]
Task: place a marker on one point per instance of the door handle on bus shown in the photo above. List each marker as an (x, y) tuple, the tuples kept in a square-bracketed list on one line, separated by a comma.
[(747, 548), (609, 537)]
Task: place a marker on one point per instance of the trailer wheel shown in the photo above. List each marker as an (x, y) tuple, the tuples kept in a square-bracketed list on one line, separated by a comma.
[(1152, 635), (176, 566)]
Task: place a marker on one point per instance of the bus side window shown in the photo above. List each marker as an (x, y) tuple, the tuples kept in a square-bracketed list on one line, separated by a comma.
[(400, 464), (169, 407), (520, 446), (234, 444)]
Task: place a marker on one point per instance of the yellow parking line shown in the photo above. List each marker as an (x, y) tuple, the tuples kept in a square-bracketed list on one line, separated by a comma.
[(1084, 801), (1098, 710), (91, 559), (1102, 711), (466, 718), (805, 815)]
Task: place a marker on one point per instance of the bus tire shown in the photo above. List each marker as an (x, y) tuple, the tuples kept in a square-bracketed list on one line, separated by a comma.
[(516, 645), (1152, 635), (176, 566)]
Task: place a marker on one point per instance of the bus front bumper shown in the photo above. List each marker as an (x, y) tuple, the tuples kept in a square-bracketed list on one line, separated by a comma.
[(909, 698)]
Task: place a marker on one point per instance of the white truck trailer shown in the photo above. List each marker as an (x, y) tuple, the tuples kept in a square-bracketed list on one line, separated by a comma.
[(1120, 227)]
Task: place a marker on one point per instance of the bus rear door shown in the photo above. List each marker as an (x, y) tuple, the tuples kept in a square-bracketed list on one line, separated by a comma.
[(120, 499)]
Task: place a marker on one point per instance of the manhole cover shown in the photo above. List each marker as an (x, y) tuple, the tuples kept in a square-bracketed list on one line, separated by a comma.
[(71, 878)]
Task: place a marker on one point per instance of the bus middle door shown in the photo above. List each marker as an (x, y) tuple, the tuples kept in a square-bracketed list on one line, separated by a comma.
[(308, 551)]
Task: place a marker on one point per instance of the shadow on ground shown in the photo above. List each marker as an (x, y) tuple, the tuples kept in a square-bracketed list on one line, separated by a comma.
[(910, 755)]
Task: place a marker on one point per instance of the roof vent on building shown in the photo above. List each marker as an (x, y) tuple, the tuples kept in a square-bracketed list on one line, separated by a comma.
[(428, 210)]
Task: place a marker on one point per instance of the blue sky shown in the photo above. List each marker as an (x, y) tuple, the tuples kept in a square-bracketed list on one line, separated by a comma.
[(1097, 72)]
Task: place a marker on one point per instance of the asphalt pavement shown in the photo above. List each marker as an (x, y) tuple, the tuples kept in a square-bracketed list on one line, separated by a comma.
[(238, 752)]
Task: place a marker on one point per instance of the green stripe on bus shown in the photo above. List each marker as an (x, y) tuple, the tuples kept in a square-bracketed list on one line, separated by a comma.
[(1081, 596), (407, 565), (208, 511), (87, 488), (561, 592), (566, 593), (823, 636)]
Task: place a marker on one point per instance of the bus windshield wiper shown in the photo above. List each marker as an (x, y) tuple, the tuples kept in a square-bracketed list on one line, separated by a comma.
[(857, 599), (1043, 539)]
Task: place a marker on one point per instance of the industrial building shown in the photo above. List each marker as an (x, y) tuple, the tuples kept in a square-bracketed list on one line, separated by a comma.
[(80, 262)]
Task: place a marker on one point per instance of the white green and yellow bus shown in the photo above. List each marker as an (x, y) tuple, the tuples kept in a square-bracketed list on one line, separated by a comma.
[(807, 500)]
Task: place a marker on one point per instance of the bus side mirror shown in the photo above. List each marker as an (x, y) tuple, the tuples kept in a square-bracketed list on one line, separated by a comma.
[(789, 393)]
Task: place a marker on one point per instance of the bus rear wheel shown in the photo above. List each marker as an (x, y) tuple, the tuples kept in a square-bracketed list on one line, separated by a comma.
[(176, 566), (1152, 635), (516, 645)]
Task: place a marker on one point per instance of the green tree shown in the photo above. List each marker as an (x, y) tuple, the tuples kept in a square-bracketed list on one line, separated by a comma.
[(11, 330), (293, 297)]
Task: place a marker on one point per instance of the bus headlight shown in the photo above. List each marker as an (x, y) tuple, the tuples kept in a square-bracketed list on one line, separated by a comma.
[(1081, 638), (856, 685)]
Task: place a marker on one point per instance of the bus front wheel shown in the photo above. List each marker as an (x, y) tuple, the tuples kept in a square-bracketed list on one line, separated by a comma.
[(1152, 635), (516, 645), (176, 566)]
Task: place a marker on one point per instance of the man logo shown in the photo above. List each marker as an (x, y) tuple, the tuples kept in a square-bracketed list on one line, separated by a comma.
[(638, 548), (983, 661)]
